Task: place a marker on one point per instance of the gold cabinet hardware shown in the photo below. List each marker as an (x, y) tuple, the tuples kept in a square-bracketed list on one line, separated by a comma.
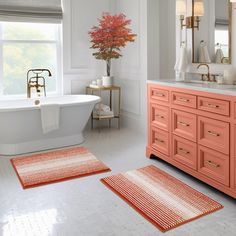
[(184, 151), (159, 140), (183, 100), (213, 133), (159, 94), (183, 124), (213, 164), (213, 106), (160, 116)]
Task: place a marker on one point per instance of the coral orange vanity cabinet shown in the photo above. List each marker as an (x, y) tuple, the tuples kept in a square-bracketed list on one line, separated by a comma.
[(194, 131)]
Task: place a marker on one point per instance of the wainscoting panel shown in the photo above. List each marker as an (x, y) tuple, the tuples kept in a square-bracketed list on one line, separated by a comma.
[(131, 54), (130, 99), (87, 14)]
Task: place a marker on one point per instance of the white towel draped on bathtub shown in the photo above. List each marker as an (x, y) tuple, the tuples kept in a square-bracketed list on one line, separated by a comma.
[(50, 117)]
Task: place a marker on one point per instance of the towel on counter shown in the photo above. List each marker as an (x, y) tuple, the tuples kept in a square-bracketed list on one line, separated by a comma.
[(50, 116), (203, 53), (102, 107), (182, 62), (219, 56)]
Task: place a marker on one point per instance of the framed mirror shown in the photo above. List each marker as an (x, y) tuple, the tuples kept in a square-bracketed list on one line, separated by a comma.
[(211, 31)]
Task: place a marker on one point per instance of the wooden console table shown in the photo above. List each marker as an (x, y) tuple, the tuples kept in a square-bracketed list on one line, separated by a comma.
[(98, 92)]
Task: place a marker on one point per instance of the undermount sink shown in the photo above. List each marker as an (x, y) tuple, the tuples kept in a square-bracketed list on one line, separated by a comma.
[(205, 84)]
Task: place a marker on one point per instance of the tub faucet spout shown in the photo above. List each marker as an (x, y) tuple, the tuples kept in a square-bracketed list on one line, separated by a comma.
[(36, 81)]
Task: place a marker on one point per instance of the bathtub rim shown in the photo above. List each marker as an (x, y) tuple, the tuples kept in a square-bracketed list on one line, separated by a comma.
[(96, 99)]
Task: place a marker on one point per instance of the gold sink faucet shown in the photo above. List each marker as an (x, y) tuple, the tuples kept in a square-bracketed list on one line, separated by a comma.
[(37, 81)]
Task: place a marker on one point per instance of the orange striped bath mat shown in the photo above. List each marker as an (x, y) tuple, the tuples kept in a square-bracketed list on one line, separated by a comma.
[(162, 199), (56, 166)]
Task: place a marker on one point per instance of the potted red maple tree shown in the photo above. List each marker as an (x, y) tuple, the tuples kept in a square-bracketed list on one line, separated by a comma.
[(108, 38)]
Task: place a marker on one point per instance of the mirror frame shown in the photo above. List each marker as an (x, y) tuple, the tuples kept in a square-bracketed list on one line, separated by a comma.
[(230, 7)]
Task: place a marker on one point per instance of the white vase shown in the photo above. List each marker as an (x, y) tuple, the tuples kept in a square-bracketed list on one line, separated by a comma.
[(107, 81)]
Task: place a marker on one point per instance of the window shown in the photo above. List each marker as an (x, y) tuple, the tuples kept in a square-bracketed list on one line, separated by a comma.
[(222, 38), (24, 46)]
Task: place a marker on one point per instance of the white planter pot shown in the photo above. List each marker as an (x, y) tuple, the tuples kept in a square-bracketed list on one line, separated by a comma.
[(107, 81)]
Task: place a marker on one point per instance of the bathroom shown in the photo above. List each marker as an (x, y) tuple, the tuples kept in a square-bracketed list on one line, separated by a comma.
[(161, 161)]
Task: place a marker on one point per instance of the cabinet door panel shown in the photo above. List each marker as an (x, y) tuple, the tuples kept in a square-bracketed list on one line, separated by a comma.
[(214, 106), (213, 134), (185, 152), (184, 125), (214, 165), (183, 99), (160, 140), (160, 94), (160, 116)]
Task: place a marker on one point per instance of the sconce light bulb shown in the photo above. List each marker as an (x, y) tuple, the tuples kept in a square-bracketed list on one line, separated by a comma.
[(181, 7), (199, 9)]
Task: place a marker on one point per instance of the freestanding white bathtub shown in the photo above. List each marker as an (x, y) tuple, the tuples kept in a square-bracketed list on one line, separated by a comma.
[(21, 128)]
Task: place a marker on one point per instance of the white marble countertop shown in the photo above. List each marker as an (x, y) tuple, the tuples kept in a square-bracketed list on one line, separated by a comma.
[(209, 87)]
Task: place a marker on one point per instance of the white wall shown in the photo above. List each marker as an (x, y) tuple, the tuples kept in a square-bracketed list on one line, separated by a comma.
[(167, 35), (153, 40), (80, 67), (131, 69)]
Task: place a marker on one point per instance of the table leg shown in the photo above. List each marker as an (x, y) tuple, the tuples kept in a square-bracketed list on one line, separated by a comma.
[(119, 108), (111, 99)]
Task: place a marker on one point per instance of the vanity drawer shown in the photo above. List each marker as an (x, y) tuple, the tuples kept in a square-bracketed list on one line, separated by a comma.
[(184, 124), (160, 116), (159, 94), (185, 152), (214, 105), (160, 140), (214, 165), (214, 134), (234, 110), (183, 99)]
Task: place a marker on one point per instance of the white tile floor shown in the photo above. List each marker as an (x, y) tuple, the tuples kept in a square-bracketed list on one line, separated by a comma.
[(84, 207)]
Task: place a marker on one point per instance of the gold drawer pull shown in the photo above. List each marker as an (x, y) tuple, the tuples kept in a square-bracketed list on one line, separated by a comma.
[(159, 94), (213, 164), (213, 106), (184, 151), (183, 100), (159, 140), (160, 116), (183, 124), (213, 133)]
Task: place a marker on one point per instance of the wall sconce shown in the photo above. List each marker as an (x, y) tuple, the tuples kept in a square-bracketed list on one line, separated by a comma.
[(233, 1), (191, 22)]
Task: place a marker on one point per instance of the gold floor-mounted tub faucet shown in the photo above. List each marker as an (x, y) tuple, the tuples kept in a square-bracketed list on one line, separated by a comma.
[(37, 81)]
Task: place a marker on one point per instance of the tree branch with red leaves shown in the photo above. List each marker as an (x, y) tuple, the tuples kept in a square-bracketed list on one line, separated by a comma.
[(110, 36)]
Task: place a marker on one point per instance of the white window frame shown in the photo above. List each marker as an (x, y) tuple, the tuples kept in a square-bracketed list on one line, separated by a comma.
[(57, 42)]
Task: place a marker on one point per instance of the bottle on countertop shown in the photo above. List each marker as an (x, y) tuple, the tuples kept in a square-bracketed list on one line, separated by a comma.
[(229, 76), (220, 79)]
